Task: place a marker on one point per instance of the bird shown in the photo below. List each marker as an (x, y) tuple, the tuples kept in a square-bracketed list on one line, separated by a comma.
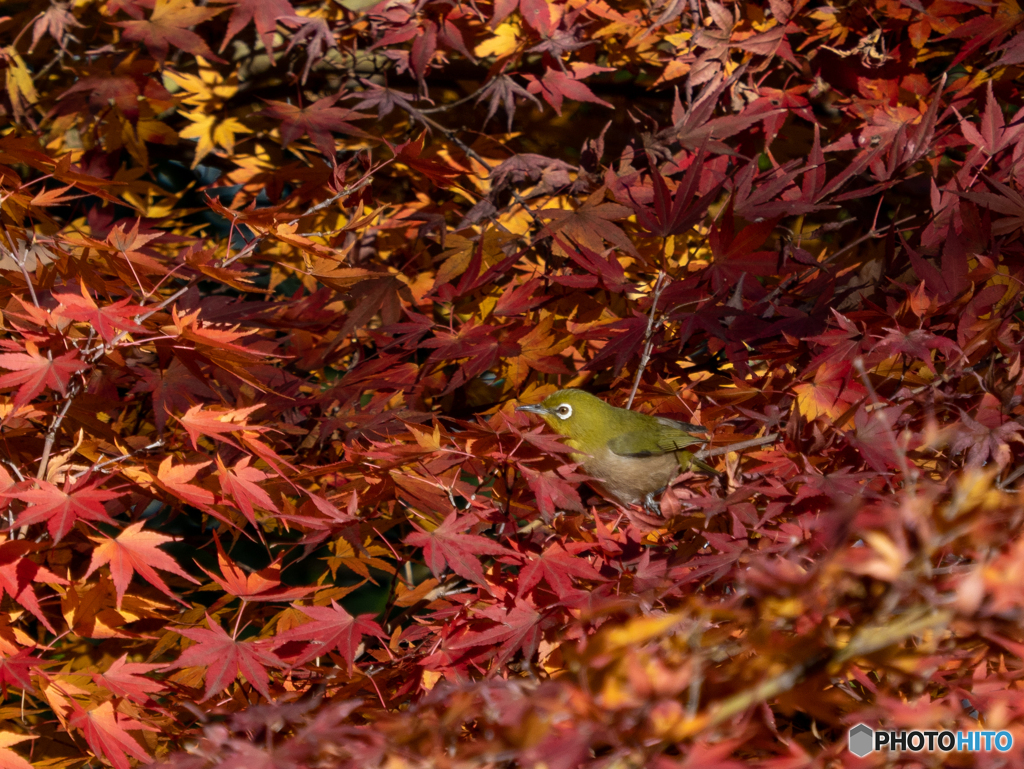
[(631, 456)]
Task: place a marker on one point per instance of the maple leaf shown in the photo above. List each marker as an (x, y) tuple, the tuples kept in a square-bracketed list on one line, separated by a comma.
[(314, 36), (317, 121), (410, 153), (674, 215), (553, 492), (332, 629), (987, 436), (168, 25), (224, 658), (605, 269), (241, 483), (557, 86), (383, 98), (447, 545), (502, 91), (875, 437), (135, 550), (262, 585), (916, 343), (210, 131), (590, 224), (264, 13), (831, 392), (61, 509), (105, 732), (537, 13), (57, 21), (128, 680), (33, 372), (213, 424), (517, 629), (171, 388), (175, 480), (557, 566), (106, 320), (993, 135), (734, 252), (17, 573), (8, 758), (1009, 202), (16, 669)]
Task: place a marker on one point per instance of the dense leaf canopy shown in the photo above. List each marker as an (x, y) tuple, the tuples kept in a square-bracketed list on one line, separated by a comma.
[(274, 275)]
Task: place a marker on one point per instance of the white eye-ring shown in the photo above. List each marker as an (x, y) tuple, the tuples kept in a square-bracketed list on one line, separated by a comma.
[(564, 411)]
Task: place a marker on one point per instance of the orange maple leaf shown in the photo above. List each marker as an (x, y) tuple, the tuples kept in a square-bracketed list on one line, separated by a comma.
[(8, 758), (136, 550)]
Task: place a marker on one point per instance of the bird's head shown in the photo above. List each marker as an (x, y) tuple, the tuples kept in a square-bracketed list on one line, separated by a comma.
[(575, 414)]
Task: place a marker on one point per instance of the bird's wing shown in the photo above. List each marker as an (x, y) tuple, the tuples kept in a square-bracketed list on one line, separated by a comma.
[(685, 426), (645, 443)]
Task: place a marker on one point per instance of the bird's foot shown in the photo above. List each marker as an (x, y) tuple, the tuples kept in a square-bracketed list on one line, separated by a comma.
[(651, 505)]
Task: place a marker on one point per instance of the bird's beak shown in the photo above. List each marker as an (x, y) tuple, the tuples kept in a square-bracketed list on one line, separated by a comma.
[(535, 408)]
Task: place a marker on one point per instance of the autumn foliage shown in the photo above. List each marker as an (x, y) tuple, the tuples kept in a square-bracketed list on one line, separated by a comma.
[(274, 275)]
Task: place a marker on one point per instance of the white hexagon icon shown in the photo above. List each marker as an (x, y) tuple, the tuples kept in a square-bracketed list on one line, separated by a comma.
[(862, 740)]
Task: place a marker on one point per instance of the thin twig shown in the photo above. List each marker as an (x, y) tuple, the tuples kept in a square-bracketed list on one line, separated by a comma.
[(794, 279), (901, 453), (51, 433), (645, 356), (749, 444)]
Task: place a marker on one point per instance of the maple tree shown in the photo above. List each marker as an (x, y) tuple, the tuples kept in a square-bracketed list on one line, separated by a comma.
[(274, 275)]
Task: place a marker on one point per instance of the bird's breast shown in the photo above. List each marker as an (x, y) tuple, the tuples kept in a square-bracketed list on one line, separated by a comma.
[(630, 479)]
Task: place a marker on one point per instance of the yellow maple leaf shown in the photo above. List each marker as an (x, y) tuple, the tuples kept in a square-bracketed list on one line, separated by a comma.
[(209, 133), (20, 89), (506, 39), (207, 88)]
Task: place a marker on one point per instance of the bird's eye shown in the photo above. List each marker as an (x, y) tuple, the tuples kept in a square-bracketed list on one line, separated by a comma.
[(564, 411)]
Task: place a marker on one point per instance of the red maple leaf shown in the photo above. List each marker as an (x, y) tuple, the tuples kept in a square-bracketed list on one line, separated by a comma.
[(17, 573), (127, 679), (171, 389), (16, 669), (518, 628), (675, 214), (734, 252), (224, 657), (315, 121), (331, 629), (62, 508), (557, 565), (105, 731), (106, 320), (553, 492), (34, 372), (557, 86), (446, 545), (136, 550), (168, 25), (915, 343), (264, 13)]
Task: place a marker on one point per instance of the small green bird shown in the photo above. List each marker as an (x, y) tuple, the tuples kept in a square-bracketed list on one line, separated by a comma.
[(632, 455)]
